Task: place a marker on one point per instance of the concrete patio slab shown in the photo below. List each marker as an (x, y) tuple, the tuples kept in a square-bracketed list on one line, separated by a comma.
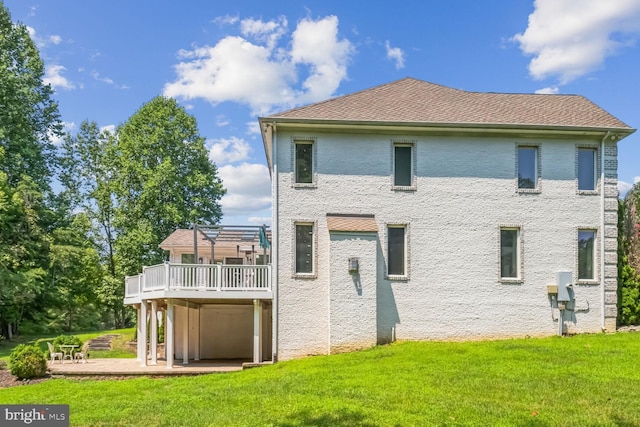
[(133, 367)]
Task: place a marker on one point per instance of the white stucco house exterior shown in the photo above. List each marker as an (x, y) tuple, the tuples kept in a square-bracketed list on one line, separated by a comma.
[(414, 211), (408, 211)]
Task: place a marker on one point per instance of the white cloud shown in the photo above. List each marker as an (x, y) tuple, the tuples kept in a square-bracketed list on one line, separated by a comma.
[(256, 71), (253, 128), (569, 38), (316, 44), (226, 20), (395, 54), (107, 80), (53, 76), (43, 41), (67, 127), (248, 189), (259, 220), (229, 150), (108, 128), (548, 90), (623, 188), (222, 120), (55, 39)]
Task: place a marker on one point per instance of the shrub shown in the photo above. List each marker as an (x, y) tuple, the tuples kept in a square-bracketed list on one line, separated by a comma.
[(27, 361), (66, 340), (3, 365)]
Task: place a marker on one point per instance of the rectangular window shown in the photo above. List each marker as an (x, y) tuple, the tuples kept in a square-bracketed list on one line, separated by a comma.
[(397, 250), (527, 167), (403, 165), (509, 253), (586, 245), (304, 248), (187, 259), (587, 169), (303, 163)]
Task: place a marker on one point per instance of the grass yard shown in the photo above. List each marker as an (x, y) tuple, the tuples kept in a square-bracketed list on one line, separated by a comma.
[(579, 381)]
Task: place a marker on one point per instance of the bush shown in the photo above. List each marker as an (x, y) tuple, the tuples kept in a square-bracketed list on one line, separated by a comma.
[(3, 365), (27, 361), (66, 340)]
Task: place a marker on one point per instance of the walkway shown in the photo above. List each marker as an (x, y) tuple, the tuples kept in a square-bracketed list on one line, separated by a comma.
[(133, 367)]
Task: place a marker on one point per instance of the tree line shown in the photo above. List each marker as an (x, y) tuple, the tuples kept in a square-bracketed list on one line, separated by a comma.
[(77, 217), (629, 258)]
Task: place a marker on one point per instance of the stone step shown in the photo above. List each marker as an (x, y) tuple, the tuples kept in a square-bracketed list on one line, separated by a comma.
[(102, 342)]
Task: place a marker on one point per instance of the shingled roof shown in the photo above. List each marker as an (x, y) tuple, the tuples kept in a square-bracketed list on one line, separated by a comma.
[(412, 101)]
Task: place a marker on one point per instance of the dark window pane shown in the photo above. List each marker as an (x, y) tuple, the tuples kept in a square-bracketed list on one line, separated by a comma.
[(396, 251), (586, 241), (304, 163), (509, 253), (527, 167), (586, 169), (304, 248), (187, 259), (402, 167)]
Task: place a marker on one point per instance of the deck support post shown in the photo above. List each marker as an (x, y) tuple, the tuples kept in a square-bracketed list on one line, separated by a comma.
[(142, 337), (154, 332), (185, 337), (196, 356), (138, 333), (168, 329), (257, 331)]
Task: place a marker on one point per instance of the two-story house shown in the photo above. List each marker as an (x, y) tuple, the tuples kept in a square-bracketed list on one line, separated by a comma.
[(415, 211)]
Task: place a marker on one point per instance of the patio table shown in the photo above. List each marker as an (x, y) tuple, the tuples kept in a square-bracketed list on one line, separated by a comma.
[(68, 350)]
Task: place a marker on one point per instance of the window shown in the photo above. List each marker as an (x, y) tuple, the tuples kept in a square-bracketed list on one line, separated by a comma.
[(586, 245), (304, 248), (403, 161), (397, 250), (527, 167), (303, 162), (587, 169), (187, 259), (510, 253)]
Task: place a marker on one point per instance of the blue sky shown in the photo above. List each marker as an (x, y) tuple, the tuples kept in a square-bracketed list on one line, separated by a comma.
[(227, 62)]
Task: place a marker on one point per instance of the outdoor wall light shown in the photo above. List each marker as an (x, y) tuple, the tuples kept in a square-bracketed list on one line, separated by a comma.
[(353, 265)]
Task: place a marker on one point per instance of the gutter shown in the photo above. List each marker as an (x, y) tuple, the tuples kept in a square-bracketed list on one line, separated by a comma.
[(275, 239), (602, 231)]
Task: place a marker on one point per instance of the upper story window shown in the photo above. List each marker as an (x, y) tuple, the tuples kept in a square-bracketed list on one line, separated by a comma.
[(587, 169), (404, 165), (303, 162), (304, 248), (510, 253), (586, 254), (528, 167), (397, 250), (187, 259)]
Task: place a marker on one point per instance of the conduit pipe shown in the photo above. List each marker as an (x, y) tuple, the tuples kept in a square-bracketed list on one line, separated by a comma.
[(274, 240)]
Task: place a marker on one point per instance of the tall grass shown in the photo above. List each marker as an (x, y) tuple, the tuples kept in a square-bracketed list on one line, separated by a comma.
[(579, 381)]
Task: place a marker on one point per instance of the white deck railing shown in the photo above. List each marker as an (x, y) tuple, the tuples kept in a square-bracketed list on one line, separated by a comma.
[(174, 277)]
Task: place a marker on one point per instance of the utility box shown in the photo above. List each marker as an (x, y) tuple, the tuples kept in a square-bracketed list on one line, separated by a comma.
[(565, 285)]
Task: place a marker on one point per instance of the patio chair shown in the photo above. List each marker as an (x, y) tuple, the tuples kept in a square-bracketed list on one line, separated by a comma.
[(53, 354), (83, 353)]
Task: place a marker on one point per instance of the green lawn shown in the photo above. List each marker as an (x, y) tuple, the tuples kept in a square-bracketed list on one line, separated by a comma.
[(579, 381)]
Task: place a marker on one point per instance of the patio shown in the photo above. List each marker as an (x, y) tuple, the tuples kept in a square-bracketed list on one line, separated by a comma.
[(133, 367)]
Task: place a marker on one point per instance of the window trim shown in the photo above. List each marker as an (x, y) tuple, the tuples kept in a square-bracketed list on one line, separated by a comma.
[(596, 169), (314, 267), (308, 140), (595, 257), (414, 164), (407, 252), (520, 253), (537, 168)]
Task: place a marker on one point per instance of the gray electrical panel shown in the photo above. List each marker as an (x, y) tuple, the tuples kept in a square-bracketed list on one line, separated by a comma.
[(565, 285)]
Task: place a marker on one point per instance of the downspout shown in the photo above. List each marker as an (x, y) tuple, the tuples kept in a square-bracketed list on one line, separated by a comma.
[(602, 231), (274, 240)]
